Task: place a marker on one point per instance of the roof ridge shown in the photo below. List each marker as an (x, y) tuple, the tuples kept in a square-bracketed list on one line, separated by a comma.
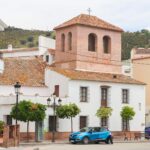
[(89, 20)]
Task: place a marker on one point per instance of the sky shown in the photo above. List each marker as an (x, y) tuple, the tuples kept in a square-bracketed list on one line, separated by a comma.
[(131, 15)]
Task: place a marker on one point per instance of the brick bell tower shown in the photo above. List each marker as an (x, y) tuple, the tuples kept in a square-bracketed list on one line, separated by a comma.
[(88, 43)]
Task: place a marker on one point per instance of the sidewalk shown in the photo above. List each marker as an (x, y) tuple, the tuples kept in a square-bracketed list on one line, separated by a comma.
[(32, 143)]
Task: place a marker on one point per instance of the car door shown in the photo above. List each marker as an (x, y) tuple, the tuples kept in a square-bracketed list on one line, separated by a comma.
[(94, 133), (103, 134)]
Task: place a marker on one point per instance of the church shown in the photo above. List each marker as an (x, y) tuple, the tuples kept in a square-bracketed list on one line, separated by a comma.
[(84, 68)]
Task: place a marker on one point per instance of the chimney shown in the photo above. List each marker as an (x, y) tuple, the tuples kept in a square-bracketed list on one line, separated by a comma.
[(10, 47)]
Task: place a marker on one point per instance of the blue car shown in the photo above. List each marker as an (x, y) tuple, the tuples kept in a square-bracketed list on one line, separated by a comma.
[(147, 132), (91, 134)]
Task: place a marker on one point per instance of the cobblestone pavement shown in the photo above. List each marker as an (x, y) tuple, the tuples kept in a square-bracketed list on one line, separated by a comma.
[(116, 146)]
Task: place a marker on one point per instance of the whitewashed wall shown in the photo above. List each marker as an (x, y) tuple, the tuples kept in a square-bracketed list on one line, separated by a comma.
[(45, 43), (137, 95), (69, 92)]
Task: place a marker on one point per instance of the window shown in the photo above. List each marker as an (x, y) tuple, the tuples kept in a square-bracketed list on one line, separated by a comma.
[(63, 42), (83, 94), (107, 44), (51, 123), (8, 120), (104, 93), (83, 121), (56, 92), (47, 58), (104, 122), (125, 125), (69, 41), (92, 42), (104, 96), (125, 96)]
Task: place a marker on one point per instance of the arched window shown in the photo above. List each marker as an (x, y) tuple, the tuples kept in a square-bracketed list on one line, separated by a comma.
[(69, 41), (63, 42), (92, 42), (107, 44)]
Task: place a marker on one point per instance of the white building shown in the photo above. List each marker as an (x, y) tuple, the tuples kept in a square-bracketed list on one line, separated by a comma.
[(3, 26)]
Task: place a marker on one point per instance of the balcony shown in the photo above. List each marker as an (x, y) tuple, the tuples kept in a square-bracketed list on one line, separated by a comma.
[(104, 103)]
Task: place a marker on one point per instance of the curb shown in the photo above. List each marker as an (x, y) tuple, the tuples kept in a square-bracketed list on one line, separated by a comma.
[(66, 142)]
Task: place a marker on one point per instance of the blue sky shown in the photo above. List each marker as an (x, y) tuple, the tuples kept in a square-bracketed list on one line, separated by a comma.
[(131, 15)]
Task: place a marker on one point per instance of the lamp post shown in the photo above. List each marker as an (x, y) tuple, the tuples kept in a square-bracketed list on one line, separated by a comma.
[(17, 87), (54, 105)]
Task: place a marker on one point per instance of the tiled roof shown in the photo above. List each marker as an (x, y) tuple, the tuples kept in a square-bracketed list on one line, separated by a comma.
[(142, 50), (87, 20), (29, 72), (51, 51), (96, 76), (19, 50)]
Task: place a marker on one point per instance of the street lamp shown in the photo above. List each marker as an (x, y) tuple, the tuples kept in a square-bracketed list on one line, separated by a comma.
[(17, 87), (54, 105)]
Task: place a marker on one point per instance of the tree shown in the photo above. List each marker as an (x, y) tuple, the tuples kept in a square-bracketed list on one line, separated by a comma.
[(30, 39), (28, 111), (127, 113), (104, 112), (68, 111), (2, 124)]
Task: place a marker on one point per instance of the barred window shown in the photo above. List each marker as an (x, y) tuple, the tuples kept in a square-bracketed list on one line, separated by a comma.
[(83, 121), (104, 92), (125, 125), (104, 122), (83, 94), (125, 96)]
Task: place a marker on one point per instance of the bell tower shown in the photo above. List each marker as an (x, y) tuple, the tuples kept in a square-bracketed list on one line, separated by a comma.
[(88, 43)]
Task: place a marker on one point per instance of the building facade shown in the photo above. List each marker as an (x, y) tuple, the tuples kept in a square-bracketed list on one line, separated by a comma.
[(140, 71)]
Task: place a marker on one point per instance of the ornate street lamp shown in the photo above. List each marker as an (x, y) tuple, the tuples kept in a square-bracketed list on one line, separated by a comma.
[(17, 87), (54, 105)]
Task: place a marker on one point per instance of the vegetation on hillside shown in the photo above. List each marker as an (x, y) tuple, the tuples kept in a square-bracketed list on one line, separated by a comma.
[(29, 38), (21, 38), (134, 39)]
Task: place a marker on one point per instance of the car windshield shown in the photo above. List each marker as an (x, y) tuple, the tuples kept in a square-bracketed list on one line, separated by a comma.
[(86, 129)]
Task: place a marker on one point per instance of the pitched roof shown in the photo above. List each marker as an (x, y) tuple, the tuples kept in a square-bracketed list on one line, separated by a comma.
[(29, 72), (87, 20), (142, 50), (96, 76)]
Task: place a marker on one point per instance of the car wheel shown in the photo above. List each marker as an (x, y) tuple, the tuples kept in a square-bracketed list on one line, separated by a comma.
[(85, 140), (109, 140), (96, 142), (73, 142)]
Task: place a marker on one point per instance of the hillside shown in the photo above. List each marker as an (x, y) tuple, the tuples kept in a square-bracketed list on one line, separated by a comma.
[(29, 38), (21, 38), (134, 39)]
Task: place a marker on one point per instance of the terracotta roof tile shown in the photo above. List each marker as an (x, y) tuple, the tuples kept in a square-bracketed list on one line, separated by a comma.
[(96, 76), (29, 72), (142, 50), (87, 20)]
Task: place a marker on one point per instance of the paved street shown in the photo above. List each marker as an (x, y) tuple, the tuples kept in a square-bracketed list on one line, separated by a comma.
[(116, 146)]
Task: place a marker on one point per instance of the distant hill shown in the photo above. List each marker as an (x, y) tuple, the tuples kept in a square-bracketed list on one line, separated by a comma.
[(29, 38), (134, 39), (22, 38)]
